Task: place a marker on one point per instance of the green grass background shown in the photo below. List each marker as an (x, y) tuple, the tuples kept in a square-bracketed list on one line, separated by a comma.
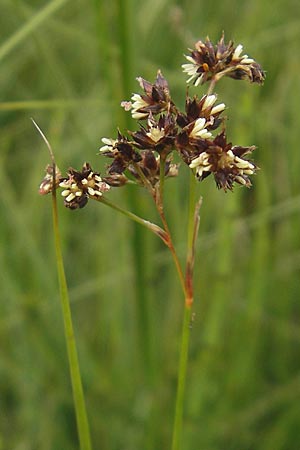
[(68, 64)]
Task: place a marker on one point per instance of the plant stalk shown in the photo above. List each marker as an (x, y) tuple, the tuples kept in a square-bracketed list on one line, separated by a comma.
[(146, 223), (164, 234), (193, 226), (172, 249), (78, 395), (181, 383)]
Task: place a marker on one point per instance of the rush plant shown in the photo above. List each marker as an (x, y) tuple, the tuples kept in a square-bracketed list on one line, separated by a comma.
[(167, 137)]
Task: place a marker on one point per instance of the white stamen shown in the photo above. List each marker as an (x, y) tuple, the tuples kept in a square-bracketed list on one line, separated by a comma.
[(240, 180), (70, 197), (199, 124), (231, 155), (198, 81), (243, 163), (190, 58), (201, 169), (248, 171), (198, 130), (109, 145), (237, 52), (218, 108), (108, 141), (156, 134), (190, 69), (138, 115), (247, 60), (138, 102), (201, 160), (209, 101)]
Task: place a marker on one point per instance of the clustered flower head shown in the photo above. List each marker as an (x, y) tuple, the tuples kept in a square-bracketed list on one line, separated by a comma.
[(196, 135), (224, 161), (79, 186), (156, 98), (208, 61)]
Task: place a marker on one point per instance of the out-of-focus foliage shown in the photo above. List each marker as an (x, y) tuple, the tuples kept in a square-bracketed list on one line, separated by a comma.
[(69, 66)]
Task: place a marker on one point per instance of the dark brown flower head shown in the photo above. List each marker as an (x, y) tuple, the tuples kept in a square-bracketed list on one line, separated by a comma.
[(155, 100), (80, 186), (158, 134), (122, 152), (150, 166), (46, 185), (208, 61), (224, 161), (203, 108)]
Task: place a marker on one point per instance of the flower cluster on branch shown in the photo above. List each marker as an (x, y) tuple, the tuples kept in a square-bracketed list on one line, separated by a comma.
[(196, 135)]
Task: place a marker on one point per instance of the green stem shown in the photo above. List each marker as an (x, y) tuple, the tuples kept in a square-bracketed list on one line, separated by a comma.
[(193, 225), (78, 396), (172, 248), (178, 267), (181, 378), (163, 234), (158, 198), (151, 226)]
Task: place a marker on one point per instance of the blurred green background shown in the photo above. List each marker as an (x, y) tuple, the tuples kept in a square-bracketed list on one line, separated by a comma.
[(68, 65)]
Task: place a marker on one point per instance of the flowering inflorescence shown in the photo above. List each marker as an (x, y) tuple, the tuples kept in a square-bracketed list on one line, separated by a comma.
[(210, 61), (78, 186), (164, 131)]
